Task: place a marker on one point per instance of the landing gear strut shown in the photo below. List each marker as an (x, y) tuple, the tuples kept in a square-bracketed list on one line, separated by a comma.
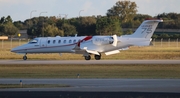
[(25, 57), (87, 57)]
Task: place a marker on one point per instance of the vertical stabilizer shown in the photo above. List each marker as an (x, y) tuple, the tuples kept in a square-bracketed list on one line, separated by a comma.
[(146, 29)]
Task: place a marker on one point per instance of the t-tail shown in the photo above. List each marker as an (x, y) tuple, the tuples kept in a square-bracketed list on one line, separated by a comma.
[(146, 29)]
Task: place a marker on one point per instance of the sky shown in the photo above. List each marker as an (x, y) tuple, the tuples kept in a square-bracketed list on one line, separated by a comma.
[(25, 9)]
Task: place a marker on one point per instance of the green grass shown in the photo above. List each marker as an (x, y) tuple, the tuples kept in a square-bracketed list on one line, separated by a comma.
[(166, 50), (6, 86), (90, 71)]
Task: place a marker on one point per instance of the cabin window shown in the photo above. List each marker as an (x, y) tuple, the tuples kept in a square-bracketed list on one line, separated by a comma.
[(49, 41), (64, 41), (54, 41), (70, 41), (59, 41), (74, 41)]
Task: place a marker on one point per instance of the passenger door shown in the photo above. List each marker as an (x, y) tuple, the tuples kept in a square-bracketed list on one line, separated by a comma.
[(43, 42)]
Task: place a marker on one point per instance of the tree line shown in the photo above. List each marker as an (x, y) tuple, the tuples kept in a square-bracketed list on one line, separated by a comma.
[(122, 15)]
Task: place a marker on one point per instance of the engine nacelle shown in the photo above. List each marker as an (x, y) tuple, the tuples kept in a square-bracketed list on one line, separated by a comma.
[(98, 40)]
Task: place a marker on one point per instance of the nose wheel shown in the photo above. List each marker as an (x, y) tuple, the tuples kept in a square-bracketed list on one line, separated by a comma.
[(25, 57), (87, 57)]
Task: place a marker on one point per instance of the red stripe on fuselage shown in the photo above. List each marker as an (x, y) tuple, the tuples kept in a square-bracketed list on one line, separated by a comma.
[(86, 38)]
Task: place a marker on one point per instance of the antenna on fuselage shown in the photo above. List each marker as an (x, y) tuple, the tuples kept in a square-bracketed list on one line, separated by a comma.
[(75, 35)]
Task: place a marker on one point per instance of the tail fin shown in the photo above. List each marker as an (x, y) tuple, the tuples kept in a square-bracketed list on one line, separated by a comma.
[(146, 29)]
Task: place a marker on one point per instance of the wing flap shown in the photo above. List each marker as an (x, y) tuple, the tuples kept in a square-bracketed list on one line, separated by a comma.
[(112, 52), (93, 52)]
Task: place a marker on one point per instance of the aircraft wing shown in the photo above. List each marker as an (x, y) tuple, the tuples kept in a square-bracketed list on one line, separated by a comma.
[(83, 51), (95, 41), (91, 51)]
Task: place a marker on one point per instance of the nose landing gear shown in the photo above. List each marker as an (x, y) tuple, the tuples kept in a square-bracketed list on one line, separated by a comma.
[(87, 57), (25, 57)]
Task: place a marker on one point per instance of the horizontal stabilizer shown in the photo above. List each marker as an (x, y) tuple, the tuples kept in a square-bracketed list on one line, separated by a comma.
[(112, 52)]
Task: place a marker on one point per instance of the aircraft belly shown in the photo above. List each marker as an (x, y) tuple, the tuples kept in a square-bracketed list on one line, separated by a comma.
[(66, 49)]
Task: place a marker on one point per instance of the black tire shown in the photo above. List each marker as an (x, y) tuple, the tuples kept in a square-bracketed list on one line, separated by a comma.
[(97, 57), (87, 57), (24, 57)]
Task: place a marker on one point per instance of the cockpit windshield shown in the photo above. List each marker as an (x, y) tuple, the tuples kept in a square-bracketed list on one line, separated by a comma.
[(33, 41)]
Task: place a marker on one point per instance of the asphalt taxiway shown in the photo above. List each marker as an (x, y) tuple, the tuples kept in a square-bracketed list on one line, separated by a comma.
[(100, 85), (90, 62)]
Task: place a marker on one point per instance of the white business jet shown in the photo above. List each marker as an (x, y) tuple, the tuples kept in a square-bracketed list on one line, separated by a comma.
[(90, 45)]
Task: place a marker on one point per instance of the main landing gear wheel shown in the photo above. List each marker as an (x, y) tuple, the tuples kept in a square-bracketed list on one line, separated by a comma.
[(25, 57), (87, 57), (97, 57)]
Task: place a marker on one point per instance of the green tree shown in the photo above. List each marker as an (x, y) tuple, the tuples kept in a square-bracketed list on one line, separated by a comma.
[(33, 32), (155, 36), (1, 29), (68, 29), (7, 27), (125, 10), (171, 20), (164, 35), (2, 21), (10, 29), (128, 32), (19, 25), (175, 36), (86, 26), (108, 26), (52, 30), (8, 19)]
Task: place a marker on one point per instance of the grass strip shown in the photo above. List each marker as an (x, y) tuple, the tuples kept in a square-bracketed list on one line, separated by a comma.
[(168, 71), (6, 86)]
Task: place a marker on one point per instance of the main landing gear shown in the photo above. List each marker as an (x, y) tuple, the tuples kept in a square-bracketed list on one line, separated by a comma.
[(88, 57), (25, 57)]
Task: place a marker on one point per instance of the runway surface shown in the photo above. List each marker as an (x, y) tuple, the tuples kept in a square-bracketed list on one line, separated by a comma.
[(100, 85), (90, 62)]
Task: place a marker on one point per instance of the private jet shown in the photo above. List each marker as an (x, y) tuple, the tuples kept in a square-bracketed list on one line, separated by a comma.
[(90, 45)]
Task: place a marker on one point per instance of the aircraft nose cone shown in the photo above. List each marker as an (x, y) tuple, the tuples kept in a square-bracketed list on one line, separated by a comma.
[(13, 50), (16, 49)]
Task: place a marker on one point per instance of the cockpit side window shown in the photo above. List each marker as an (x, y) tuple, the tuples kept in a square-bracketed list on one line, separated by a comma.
[(33, 41)]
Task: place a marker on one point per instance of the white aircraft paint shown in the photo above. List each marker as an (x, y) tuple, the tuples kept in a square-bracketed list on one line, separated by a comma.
[(87, 45)]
